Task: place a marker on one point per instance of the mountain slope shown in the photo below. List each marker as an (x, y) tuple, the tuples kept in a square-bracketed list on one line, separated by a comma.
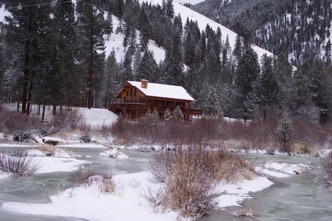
[(202, 21), (298, 28)]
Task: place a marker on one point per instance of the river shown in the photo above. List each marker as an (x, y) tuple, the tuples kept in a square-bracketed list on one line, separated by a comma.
[(300, 197)]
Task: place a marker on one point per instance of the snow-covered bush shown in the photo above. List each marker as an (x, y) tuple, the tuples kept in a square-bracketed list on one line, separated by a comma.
[(19, 165), (68, 119), (189, 177), (89, 177), (113, 153), (177, 113), (12, 122)]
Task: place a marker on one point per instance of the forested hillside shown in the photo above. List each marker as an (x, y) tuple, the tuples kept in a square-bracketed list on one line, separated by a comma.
[(53, 53), (298, 28)]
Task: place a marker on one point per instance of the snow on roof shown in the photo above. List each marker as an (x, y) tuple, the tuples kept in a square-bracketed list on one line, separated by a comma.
[(163, 90)]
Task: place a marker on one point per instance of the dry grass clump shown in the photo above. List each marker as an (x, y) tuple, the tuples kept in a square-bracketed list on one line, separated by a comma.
[(190, 175), (18, 165), (88, 177), (50, 150), (327, 169)]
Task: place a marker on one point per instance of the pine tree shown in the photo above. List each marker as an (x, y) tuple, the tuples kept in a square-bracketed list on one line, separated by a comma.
[(267, 89), (91, 28), (238, 48), (320, 88), (164, 7), (246, 76), (66, 47), (148, 68), (177, 113), (137, 61), (283, 72), (2, 70), (170, 8), (145, 30), (167, 114), (127, 72), (113, 81), (28, 34)]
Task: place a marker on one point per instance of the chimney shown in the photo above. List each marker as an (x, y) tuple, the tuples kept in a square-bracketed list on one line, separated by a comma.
[(144, 84)]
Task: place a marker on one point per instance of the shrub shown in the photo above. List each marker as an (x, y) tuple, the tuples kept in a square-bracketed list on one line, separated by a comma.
[(88, 177), (189, 177), (68, 119), (284, 133), (19, 165)]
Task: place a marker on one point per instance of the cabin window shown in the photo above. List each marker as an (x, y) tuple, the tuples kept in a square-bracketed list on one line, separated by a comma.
[(131, 92), (135, 92)]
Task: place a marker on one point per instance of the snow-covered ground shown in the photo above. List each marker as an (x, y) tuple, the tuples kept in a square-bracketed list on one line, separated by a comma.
[(96, 117), (128, 202), (281, 170)]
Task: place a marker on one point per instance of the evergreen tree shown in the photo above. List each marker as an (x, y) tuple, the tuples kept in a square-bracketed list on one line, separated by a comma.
[(66, 46), (320, 88), (2, 69), (170, 8), (164, 7), (137, 61), (113, 79), (148, 68), (25, 30), (127, 72), (238, 48), (172, 71), (167, 114), (245, 79), (145, 30), (283, 72), (267, 89), (177, 113), (91, 28)]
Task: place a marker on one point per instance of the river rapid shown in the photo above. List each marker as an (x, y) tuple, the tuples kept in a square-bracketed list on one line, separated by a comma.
[(299, 197)]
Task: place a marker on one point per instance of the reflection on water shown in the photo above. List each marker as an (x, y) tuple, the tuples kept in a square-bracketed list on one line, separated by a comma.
[(302, 197)]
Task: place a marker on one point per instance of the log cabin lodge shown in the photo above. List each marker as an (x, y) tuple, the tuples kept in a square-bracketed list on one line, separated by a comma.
[(137, 98)]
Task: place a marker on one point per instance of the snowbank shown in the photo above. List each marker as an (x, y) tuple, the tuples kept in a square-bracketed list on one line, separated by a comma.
[(114, 154), (281, 170), (53, 164), (4, 175), (128, 201), (96, 117), (80, 202), (233, 194), (324, 152), (35, 153)]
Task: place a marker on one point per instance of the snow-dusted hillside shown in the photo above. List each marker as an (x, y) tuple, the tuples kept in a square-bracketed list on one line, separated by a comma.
[(203, 21), (116, 40)]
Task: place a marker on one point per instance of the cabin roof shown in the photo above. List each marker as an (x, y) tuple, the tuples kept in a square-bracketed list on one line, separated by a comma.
[(163, 91)]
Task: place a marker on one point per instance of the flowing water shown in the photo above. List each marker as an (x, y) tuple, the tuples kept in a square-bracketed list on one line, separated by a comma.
[(301, 197)]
